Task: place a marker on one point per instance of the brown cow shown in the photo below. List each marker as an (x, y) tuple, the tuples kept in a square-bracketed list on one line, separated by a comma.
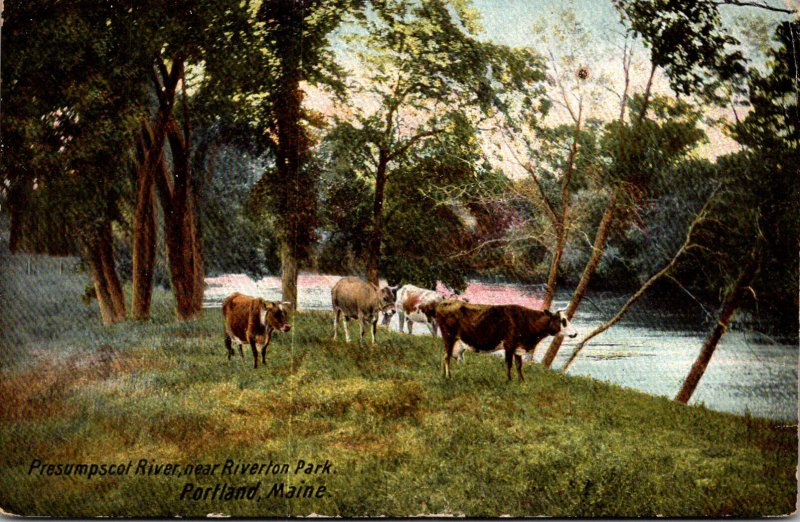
[(486, 328), (357, 299), (252, 320)]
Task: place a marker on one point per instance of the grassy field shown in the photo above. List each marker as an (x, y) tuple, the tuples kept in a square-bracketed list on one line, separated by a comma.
[(399, 439)]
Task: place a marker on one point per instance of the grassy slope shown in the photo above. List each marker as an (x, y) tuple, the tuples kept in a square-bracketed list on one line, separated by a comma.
[(402, 440)]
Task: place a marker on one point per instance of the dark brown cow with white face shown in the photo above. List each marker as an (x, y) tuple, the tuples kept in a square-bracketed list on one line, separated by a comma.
[(251, 320), (486, 328)]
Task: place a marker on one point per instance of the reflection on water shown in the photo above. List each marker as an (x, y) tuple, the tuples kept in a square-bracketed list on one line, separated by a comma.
[(651, 350)]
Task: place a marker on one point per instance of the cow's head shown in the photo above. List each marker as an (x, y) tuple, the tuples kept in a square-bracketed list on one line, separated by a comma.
[(560, 325), (276, 315), (387, 301)]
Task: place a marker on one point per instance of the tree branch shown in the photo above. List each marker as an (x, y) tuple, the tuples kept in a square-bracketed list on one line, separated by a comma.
[(411, 141), (699, 218), (740, 3)]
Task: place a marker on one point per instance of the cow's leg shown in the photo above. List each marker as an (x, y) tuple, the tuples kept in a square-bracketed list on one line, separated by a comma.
[(374, 328), (346, 333), (401, 316), (266, 345), (449, 341), (432, 326), (336, 313), (410, 325), (241, 351), (255, 352), (509, 361), (518, 361), (228, 346), (360, 329)]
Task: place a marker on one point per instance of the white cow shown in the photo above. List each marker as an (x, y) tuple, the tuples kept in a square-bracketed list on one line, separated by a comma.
[(417, 305)]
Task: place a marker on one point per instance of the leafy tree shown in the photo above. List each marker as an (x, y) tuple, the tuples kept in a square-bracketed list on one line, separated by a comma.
[(634, 156), (288, 44), (760, 235), (687, 41), (70, 102), (424, 74), (85, 80)]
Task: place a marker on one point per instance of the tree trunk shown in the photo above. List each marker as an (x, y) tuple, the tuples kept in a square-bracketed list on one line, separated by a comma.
[(182, 240), (686, 245), (729, 307), (99, 254), (16, 202), (374, 254), (144, 234), (552, 277), (181, 228), (600, 239), (295, 189), (144, 248), (561, 225), (598, 249), (289, 273)]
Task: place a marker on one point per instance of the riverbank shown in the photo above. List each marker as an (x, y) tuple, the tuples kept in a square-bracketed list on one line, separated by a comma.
[(398, 438), (651, 350)]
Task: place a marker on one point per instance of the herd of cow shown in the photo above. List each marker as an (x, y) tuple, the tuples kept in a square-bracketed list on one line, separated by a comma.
[(464, 326)]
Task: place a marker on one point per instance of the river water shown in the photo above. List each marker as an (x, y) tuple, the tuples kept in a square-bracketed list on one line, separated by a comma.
[(651, 350)]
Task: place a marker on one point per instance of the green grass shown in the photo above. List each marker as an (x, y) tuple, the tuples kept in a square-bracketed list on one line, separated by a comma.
[(402, 440)]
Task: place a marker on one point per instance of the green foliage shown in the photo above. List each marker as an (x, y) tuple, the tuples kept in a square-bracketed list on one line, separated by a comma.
[(346, 211), (762, 185), (71, 99), (238, 240), (687, 40), (430, 82), (636, 152)]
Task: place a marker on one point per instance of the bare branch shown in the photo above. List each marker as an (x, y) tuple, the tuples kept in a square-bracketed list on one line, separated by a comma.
[(699, 218), (505, 241), (740, 3)]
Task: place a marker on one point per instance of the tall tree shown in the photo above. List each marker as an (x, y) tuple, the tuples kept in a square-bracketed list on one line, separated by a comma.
[(92, 101), (70, 103), (289, 45), (761, 216), (688, 42), (424, 73), (185, 36)]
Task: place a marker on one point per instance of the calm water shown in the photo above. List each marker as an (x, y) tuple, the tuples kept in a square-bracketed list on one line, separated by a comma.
[(651, 350)]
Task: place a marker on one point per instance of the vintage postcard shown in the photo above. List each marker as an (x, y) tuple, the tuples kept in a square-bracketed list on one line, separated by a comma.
[(399, 258)]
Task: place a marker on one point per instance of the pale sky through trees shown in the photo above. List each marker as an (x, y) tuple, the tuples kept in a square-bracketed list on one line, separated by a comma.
[(511, 22), (520, 22)]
